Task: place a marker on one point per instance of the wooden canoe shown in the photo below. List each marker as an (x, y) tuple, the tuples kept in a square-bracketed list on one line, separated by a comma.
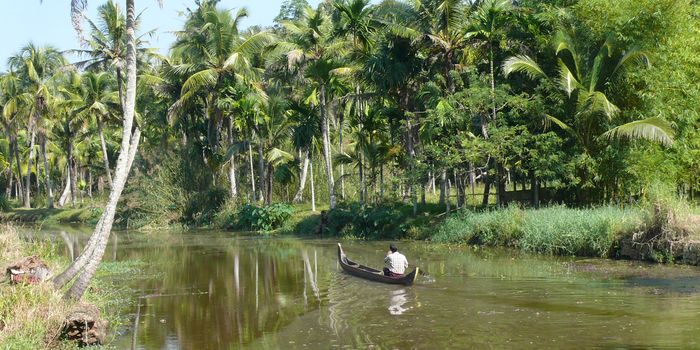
[(369, 273)]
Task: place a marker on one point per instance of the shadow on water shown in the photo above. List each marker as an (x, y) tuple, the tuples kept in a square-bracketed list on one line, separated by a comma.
[(212, 290)]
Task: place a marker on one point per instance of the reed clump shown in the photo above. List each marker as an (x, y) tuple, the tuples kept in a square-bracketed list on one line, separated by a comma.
[(554, 230)]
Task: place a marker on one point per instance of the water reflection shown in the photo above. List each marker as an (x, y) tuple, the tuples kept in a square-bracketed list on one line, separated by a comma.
[(216, 290), (397, 301)]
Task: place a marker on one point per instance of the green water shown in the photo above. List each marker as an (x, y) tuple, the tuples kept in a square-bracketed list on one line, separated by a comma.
[(210, 290)]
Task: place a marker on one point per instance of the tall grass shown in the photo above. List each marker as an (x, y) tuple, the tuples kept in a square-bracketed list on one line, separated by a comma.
[(554, 230)]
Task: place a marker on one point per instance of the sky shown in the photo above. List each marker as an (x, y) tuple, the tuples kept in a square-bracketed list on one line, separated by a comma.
[(48, 22)]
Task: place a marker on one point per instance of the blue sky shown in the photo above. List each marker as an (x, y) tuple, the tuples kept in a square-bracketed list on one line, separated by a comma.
[(22, 21)]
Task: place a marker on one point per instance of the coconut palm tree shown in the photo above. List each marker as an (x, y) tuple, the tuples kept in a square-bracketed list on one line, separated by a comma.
[(311, 51), (106, 44), (100, 101), (357, 23), (37, 67), (215, 54), (12, 100)]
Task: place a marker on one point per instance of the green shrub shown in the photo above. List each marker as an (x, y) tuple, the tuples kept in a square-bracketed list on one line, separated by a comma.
[(367, 221), (152, 200), (226, 217), (268, 218), (5, 204), (202, 207)]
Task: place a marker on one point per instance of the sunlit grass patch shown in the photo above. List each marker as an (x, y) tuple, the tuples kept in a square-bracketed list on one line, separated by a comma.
[(31, 316)]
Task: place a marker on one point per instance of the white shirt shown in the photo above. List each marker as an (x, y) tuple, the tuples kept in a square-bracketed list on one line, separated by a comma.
[(396, 262)]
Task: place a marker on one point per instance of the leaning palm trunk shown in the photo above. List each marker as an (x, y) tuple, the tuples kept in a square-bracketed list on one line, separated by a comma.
[(327, 148), (302, 182), (104, 227), (49, 189), (104, 151), (128, 148)]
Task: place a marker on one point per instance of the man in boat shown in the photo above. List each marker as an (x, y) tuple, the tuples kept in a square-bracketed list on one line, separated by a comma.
[(395, 263)]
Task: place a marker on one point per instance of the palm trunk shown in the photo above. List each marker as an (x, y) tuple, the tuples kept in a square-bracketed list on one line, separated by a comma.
[(8, 191), (66, 192), (89, 185), (444, 194), (28, 179), (232, 178), (493, 84), (19, 171), (261, 172), (120, 89), (72, 173), (381, 181), (252, 170), (363, 188), (327, 148), (129, 146), (342, 166), (49, 189), (270, 179), (313, 192), (232, 166), (104, 151), (302, 182)]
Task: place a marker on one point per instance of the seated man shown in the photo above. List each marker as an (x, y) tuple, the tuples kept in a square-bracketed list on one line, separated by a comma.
[(395, 263)]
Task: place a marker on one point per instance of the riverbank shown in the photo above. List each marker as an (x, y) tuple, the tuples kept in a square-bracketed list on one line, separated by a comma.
[(666, 232), (31, 315), (85, 215), (662, 233)]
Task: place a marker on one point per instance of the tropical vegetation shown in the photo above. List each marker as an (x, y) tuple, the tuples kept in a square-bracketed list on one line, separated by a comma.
[(355, 106)]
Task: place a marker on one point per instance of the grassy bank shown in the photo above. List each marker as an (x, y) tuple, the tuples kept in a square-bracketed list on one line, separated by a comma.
[(87, 215), (31, 315), (560, 230)]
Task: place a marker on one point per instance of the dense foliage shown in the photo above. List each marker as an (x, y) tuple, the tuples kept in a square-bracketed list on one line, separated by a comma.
[(580, 101)]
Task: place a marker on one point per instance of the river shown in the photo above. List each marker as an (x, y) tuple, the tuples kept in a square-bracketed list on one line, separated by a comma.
[(216, 290)]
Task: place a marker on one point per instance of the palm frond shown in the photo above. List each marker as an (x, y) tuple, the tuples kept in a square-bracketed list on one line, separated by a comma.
[(524, 64), (201, 80), (630, 57), (653, 129), (597, 102)]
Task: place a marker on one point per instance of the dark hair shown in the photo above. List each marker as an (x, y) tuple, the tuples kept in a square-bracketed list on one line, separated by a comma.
[(393, 248)]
